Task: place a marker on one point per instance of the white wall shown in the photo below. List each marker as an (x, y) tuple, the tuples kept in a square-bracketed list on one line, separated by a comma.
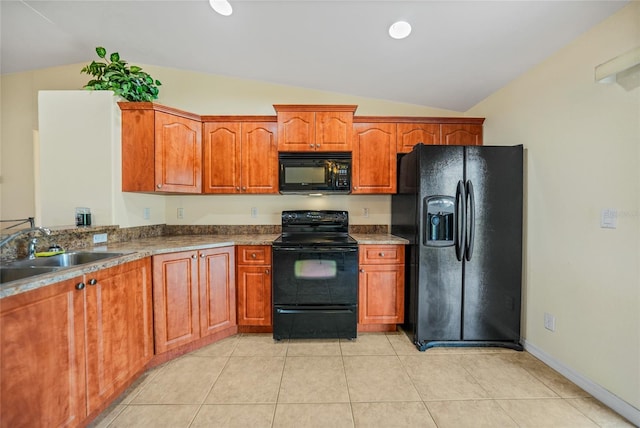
[(583, 155)]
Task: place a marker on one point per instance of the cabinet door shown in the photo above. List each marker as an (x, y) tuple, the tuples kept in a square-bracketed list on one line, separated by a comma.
[(461, 134), (217, 290), (221, 157), (254, 295), (118, 327), (296, 131), (410, 134), (254, 285), (259, 158), (175, 300), (381, 294), (333, 131), (374, 158), (178, 154), (42, 375)]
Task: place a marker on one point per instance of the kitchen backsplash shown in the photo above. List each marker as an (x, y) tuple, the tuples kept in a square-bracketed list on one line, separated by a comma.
[(82, 237)]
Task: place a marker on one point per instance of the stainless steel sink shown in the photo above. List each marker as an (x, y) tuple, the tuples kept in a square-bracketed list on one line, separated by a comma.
[(65, 260), (8, 274), (26, 268)]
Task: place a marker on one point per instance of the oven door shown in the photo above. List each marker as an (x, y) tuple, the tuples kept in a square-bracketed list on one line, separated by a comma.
[(315, 276)]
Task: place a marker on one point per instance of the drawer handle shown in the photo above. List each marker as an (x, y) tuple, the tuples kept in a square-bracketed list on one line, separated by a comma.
[(266, 271), (381, 254), (80, 286), (194, 256), (253, 255), (93, 281)]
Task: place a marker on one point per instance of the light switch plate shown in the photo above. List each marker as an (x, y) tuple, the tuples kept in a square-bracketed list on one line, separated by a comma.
[(608, 218)]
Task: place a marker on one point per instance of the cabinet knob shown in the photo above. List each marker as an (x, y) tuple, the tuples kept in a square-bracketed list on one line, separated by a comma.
[(238, 188), (159, 186), (362, 270), (355, 187), (80, 286), (194, 257), (244, 187), (381, 254), (93, 281), (202, 256), (311, 145), (266, 271), (253, 255), (317, 146)]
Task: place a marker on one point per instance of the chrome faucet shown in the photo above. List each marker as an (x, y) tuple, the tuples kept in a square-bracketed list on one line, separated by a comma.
[(21, 232)]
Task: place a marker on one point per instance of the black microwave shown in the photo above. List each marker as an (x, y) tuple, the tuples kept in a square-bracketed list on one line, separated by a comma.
[(313, 172)]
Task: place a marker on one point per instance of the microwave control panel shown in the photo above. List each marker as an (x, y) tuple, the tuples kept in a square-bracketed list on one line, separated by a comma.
[(342, 175)]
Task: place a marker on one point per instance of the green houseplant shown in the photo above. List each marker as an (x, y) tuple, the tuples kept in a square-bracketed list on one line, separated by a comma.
[(113, 74)]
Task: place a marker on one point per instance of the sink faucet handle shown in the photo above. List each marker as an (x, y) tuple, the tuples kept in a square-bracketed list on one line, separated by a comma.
[(31, 250)]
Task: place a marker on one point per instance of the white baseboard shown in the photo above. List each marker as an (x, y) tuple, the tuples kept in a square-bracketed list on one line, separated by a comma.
[(598, 392)]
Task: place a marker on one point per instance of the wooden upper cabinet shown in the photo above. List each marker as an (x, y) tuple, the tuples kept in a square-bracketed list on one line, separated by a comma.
[(221, 156), (466, 131), (178, 151), (161, 149), (410, 134), (460, 134), (325, 128), (374, 158), (240, 157)]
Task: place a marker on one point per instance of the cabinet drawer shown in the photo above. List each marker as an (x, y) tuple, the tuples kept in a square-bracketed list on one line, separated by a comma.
[(381, 254), (254, 255)]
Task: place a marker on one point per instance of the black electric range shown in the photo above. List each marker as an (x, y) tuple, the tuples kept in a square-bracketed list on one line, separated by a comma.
[(315, 276)]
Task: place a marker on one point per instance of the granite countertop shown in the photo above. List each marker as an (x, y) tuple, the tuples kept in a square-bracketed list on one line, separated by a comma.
[(138, 249)]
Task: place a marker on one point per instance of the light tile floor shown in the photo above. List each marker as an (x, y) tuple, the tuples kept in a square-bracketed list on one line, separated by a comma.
[(378, 380)]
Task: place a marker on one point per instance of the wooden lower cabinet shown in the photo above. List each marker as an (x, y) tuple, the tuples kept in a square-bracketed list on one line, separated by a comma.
[(254, 285), (70, 347), (42, 373), (381, 285), (193, 296), (119, 328)]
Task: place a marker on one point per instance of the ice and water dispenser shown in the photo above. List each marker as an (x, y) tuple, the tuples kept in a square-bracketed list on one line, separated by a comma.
[(439, 227)]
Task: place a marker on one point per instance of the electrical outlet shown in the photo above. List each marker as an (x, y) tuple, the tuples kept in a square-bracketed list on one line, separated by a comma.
[(99, 238), (549, 322), (365, 212), (254, 212), (146, 213), (180, 213)]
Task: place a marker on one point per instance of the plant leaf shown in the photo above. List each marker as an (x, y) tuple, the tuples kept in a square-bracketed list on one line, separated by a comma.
[(101, 51)]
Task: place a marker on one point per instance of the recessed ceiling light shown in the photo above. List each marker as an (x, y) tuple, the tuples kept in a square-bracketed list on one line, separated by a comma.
[(221, 6), (400, 30)]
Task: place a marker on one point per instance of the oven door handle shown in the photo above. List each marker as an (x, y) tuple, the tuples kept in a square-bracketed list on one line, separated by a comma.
[(317, 249), (318, 309)]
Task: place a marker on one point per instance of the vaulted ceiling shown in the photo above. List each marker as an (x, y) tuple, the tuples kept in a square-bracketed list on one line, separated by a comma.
[(458, 53)]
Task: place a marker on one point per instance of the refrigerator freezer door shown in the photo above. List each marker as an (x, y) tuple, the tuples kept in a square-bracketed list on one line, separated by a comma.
[(493, 274), (439, 272)]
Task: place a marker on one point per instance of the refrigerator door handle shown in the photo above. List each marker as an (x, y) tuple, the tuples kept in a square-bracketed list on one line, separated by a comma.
[(470, 231), (461, 211)]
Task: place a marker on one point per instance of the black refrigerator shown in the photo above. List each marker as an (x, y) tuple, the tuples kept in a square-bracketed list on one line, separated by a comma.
[(460, 207)]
